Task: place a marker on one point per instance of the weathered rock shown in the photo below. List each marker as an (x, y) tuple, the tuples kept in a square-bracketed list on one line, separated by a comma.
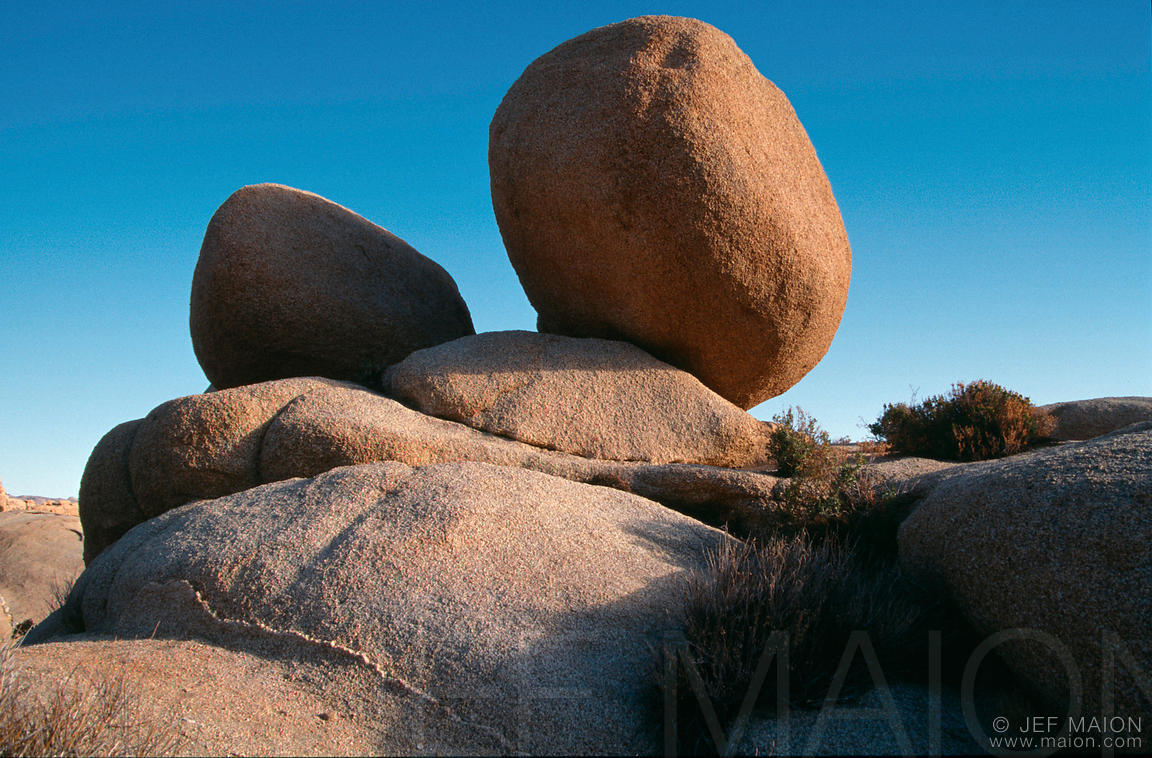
[(1085, 419), (189, 448), (652, 186), (907, 475), (205, 446), (191, 698), (290, 284), (108, 507), (224, 427), (589, 397), (1057, 541), (40, 556), (526, 605), (61, 506)]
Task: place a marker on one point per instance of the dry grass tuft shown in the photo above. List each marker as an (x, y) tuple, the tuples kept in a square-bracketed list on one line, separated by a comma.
[(72, 619), (80, 715), (817, 594)]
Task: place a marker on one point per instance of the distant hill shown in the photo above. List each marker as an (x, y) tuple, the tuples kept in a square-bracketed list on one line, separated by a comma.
[(8, 502)]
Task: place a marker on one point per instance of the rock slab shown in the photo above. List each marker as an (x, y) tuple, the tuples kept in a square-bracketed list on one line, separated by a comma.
[(588, 397), (290, 284), (528, 606), (206, 446), (189, 448), (190, 698), (1054, 541), (1085, 419), (652, 186)]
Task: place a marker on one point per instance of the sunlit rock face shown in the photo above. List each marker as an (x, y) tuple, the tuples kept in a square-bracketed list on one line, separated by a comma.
[(652, 186)]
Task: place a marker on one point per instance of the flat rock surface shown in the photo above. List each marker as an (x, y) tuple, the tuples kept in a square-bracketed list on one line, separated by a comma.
[(588, 397), (652, 186), (1055, 540), (522, 605), (201, 699)]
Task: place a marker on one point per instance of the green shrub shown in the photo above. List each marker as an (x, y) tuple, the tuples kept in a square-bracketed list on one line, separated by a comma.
[(973, 422), (827, 486), (824, 488), (795, 441)]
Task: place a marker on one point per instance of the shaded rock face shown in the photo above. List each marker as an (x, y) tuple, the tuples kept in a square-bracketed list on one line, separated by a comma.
[(1085, 419), (188, 448), (1055, 540), (290, 284), (904, 728), (528, 606), (589, 397), (652, 186), (39, 560), (205, 446)]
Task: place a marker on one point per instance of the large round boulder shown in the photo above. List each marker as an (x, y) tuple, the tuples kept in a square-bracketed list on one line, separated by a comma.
[(290, 284), (589, 397), (652, 186)]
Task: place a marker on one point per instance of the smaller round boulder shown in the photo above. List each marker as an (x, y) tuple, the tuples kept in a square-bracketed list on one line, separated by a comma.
[(290, 284)]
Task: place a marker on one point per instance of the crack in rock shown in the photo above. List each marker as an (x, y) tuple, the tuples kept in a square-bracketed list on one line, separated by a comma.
[(180, 600)]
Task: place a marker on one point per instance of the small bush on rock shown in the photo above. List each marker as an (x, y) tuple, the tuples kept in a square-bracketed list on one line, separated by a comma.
[(974, 422), (828, 486), (796, 441), (826, 492)]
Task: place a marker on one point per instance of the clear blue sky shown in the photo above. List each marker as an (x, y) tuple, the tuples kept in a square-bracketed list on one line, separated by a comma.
[(991, 160)]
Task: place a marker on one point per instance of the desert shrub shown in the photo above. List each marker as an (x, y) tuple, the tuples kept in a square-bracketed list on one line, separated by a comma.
[(822, 477), (818, 564), (79, 717), (974, 422), (828, 485), (825, 491), (22, 628), (817, 593), (795, 441)]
